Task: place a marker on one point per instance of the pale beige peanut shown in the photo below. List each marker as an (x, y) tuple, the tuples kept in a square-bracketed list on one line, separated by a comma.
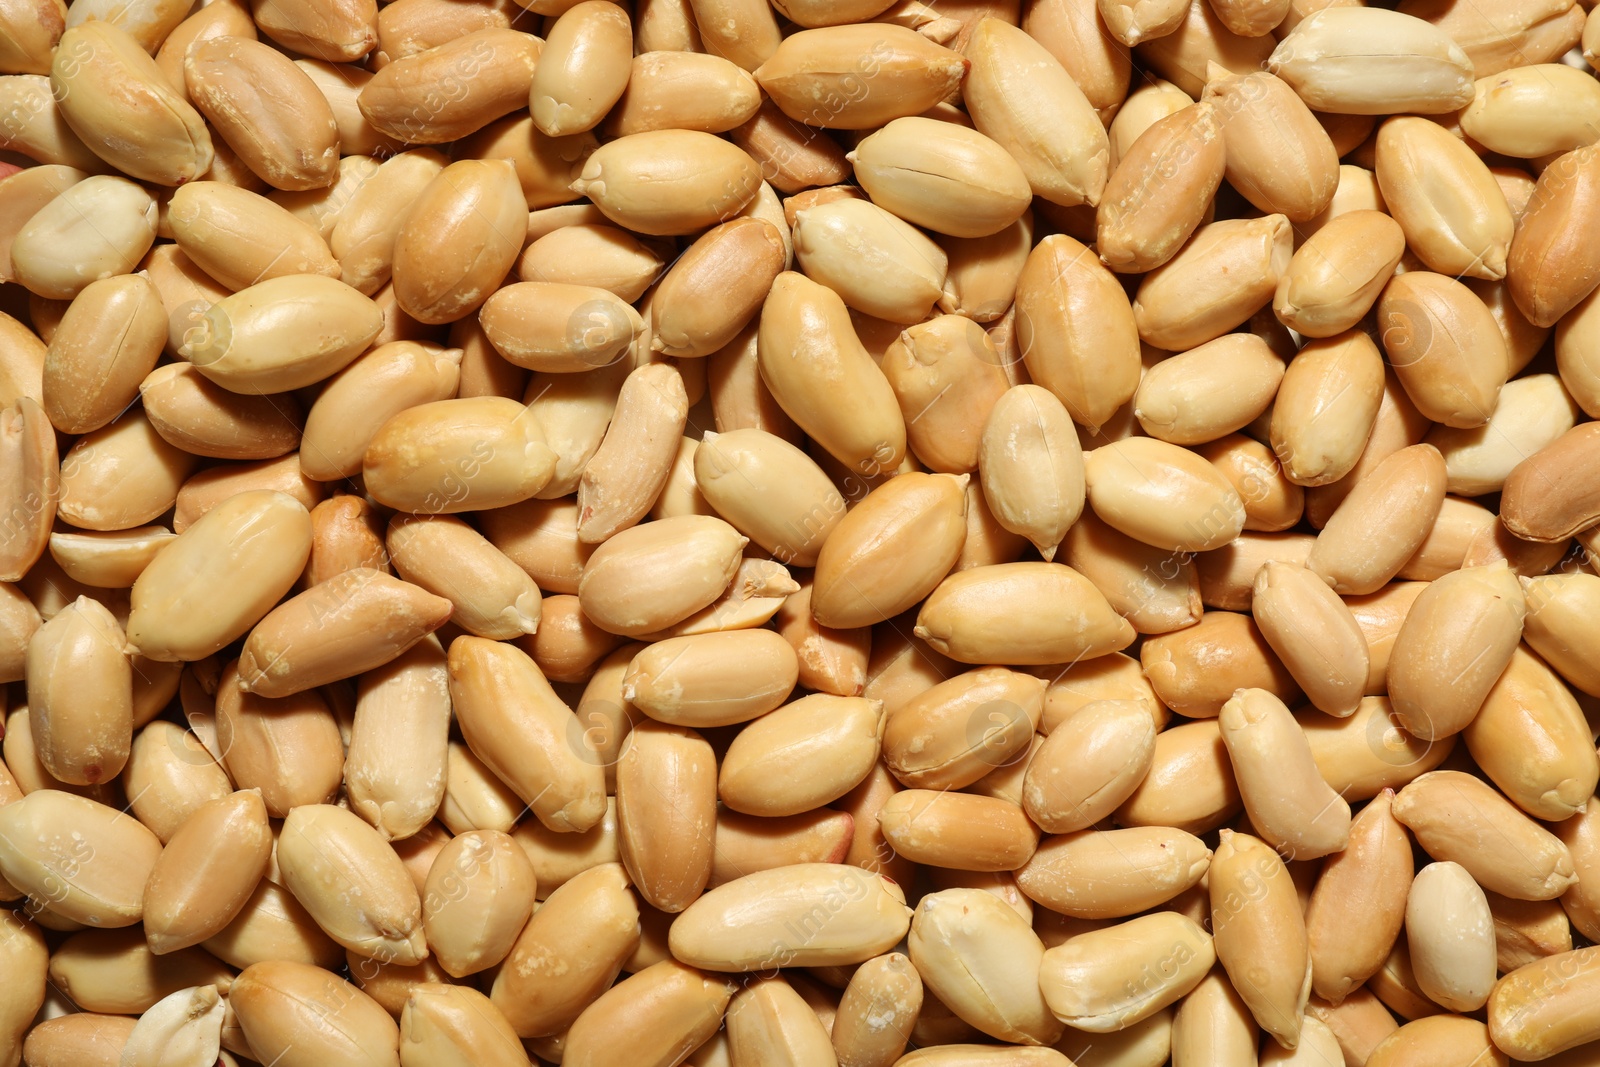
[(654, 1018), (574, 411), (1066, 617), (491, 596), (363, 237), (345, 30), (27, 958), (946, 177), (980, 958), (1512, 113), (1444, 198), (359, 399), (805, 336), (88, 861), (627, 472), (1183, 56), (960, 730), (749, 843), (273, 926), (1430, 324), (460, 238), (962, 831), (1398, 424), (1382, 522), (1335, 277), (80, 695), (1089, 765), (569, 953), (169, 776), (115, 97), (712, 679), (1437, 1039), (982, 272), (1453, 815), (454, 1025), (1451, 935), (748, 924), (450, 456), (40, 132), (769, 1022), (1278, 156), (675, 89), (109, 338), (806, 754), (1107, 980), (1314, 634), (1143, 107), (1546, 1007), (1076, 330), (1159, 191), (228, 20), (1132, 23), (824, 77), (654, 575), (1533, 411), (1209, 391), (520, 728), (1190, 785), (666, 848), (535, 324), (1328, 57), (87, 1038), (583, 68), (592, 254), (33, 485), (300, 1015), (1107, 874), (1326, 407), (770, 491), (1260, 934), (474, 798), (115, 971), (1456, 639), (286, 135), (1023, 98), (478, 895), (396, 765), (1358, 903), (878, 264), (27, 192), (1498, 39), (390, 984), (1071, 32), (1221, 276), (59, 250), (1581, 902), (1547, 273), (1547, 497), (31, 33), (1154, 590), (19, 620), (947, 378), (1199, 509), (1032, 468), (876, 1013), (220, 550), (209, 870), (194, 414), (282, 333), (352, 883), (240, 237), (641, 181), (1531, 739), (1554, 627), (792, 160), (717, 286), (206, 489), (1359, 1023), (1293, 809), (488, 74)]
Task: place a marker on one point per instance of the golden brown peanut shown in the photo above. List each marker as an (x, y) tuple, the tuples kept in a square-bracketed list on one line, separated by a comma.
[(286, 135), (805, 335), (559, 327), (455, 1026), (1221, 276), (33, 485), (1071, 31), (1445, 347), (1154, 590), (1453, 814), (712, 679), (946, 177), (80, 694), (1326, 61), (801, 756), (1199, 509), (168, 624), (674, 89), (1335, 277), (88, 862), (640, 181), (867, 916), (1089, 765), (1326, 407), (208, 488), (19, 620), (982, 274), (749, 843), (590, 254), (345, 30), (1531, 739), (1233, 654), (194, 414), (1032, 466), (1110, 979), (830, 660), (59, 251), (241, 238), (769, 1022), (363, 238), (975, 616), (569, 953), (1019, 95), (877, 1011), (980, 958), (478, 895), (1132, 23), (1278, 156), (1581, 902), (958, 830), (1358, 904), (628, 471), (545, 165), (1547, 274), (1443, 1039), (457, 455), (583, 68), (110, 337), (770, 491), (1454, 216), (290, 749), (203, 880), (1451, 936), (962, 729), (37, 129), (1260, 935), (1144, 107), (877, 264), (857, 77), (115, 97), (1546, 1007), (1400, 497), (26, 956), (716, 287), (1209, 391), (1184, 56), (1160, 190), (1313, 632), (169, 776), (474, 799), (649, 577), (1547, 497), (1103, 874), (1190, 786), (1370, 751), (492, 597), (1359, 1023), (791, 158), (1398, 424), (227, 20), (299, 1015), (273, 926), (31, 31), (654, 1018), (1455, 641), (1076, 330), (946, 376), (1271, 501), (82, 1039), (359, 399), (453, 89), (1286, 799), (459, 239), (667, 850), (1554, 627), (115, 971)]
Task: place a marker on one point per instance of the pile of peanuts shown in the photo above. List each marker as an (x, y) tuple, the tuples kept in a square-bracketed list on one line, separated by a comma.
[(839, 533)]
